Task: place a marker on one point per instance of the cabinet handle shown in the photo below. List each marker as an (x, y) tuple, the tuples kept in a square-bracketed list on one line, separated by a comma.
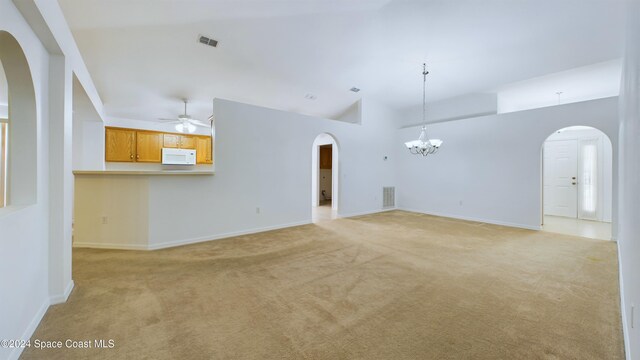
[(130, 156), (137, 157)]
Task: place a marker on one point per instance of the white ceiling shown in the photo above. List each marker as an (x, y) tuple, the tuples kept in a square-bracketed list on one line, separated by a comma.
[(143, 54)]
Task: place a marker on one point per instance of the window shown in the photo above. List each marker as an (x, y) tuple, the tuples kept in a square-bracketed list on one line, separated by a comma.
[(3, 162), (589, 178)]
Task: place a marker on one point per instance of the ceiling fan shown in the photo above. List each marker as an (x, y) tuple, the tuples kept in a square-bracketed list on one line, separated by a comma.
[(184, 122)]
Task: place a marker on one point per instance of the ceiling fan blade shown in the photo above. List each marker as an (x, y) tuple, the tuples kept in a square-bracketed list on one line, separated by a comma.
[(163, 119)]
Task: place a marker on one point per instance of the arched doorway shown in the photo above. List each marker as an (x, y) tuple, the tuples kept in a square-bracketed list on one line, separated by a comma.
[(19, 172), (577, 191), (324, 177)]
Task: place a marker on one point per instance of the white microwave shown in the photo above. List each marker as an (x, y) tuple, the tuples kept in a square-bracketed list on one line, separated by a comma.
[(178, 156)]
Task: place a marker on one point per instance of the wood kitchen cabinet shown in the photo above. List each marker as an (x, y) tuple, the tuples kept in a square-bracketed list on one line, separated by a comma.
[(149, 146), (133, 145), (120, 144), (171, 141), (204, 146), (187, 142), (177, 141)]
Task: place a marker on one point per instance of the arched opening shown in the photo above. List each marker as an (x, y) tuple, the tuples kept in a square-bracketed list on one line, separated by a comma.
[(324, 177), (19, 143), (577, 183)]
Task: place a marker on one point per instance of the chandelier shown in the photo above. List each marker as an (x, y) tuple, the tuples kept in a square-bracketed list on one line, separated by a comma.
[(424, 146)]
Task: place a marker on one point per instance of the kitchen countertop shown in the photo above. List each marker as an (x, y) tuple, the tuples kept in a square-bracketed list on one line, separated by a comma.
[(143, 172)]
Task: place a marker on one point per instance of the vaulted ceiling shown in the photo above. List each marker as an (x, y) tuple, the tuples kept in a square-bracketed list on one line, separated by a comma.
[(144, 55)]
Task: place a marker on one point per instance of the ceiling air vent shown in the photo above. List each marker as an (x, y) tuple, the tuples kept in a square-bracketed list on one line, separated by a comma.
[(354, 89), (207, 41)]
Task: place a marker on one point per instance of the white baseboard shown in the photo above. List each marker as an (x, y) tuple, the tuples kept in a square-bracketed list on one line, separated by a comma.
[(181, 242), (59, 299), (623, 309), (169, 244), (28, 332), (110, 246), (366, 212), (469, 218)]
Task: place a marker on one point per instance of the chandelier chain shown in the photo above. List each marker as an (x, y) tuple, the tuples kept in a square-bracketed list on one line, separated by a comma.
[(424, 94)]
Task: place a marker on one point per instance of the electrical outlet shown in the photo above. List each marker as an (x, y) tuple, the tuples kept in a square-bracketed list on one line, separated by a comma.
[(257, 210), (460, 202), (105, 220)]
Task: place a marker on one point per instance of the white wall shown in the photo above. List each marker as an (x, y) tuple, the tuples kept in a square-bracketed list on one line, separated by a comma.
[(605, 166), (489, 168), (92, 153), (629, 210), (24, 229), (459, 107), (595, 81), (88, 132), (114, 211), (273, 174)]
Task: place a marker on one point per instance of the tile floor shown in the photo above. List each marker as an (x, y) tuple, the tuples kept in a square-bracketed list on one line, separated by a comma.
[(323, 212), (577, 227)]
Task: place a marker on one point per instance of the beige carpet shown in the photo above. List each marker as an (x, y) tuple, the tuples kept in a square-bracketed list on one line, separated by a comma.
[(395, 285)]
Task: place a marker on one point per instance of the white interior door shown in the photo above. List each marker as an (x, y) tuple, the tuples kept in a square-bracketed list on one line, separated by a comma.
[(560, 171)]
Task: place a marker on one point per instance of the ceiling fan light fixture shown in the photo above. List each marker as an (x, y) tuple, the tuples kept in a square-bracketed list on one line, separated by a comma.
[(185, 123), (185, 126)]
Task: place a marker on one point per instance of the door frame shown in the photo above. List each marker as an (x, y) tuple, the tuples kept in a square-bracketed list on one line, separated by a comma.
[(320, 140), (608, 185)]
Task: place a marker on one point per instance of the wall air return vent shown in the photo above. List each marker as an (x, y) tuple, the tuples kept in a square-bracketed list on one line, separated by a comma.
[(207, 41), (388, 197)]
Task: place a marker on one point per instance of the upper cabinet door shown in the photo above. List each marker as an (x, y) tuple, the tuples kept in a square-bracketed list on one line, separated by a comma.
[(149, 146), (187, 142), (120, 145), (171, 141), (203, 150)]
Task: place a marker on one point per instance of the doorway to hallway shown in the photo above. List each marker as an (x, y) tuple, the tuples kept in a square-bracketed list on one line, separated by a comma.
[(324, 189), (578, 182)]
